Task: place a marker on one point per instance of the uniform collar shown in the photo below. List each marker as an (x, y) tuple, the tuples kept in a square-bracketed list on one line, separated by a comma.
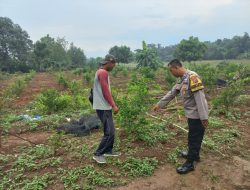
[(185, 75)]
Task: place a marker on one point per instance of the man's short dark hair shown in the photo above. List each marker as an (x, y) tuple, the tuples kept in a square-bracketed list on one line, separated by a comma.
[(175, 63)]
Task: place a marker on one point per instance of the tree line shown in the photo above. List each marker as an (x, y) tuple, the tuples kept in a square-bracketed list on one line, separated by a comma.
[(19, 53)]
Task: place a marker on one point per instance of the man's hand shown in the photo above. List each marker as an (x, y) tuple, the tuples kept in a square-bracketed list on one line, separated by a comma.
[(115, 109), (156, 107), (204, 123)]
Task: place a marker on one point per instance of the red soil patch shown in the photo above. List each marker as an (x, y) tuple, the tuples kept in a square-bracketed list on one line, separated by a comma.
[(9, 143), (40, 82)]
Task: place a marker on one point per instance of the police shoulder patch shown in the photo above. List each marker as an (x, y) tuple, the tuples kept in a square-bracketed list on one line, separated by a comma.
[(195, 83)]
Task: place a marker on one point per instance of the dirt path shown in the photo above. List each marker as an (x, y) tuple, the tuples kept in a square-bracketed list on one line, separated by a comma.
[(40, 82), (211, 173)]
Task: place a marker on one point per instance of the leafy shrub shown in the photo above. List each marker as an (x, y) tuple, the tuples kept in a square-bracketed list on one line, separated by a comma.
[(37, 182), (216, 122), (132, 105), (173, 155), (125, 72), (15, 89), (78, 71), (151, 134), (51, 101), (139, 167), (147, 72), (88, 77), (228, 96), (75, 87), (62, 81)]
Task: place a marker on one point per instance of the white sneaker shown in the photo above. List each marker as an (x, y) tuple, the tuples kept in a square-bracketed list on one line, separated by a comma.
[(100, 159)]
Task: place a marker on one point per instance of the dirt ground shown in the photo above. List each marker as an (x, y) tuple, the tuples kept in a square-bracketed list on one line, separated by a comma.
[(213, 172), (40, 82)]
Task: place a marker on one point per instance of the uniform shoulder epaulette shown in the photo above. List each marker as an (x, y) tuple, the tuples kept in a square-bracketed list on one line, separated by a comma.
[(195, 83)]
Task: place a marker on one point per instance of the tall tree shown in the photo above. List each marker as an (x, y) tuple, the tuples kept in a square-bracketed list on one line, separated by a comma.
[(77, 56), (15, 45), (51, 53), (123, 54), (190, 50)]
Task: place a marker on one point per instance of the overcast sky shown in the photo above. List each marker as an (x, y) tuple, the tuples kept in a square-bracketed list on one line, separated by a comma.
[(98, 25)]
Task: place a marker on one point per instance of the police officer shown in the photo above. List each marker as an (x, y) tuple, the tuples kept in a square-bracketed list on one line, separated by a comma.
[(195, 105)]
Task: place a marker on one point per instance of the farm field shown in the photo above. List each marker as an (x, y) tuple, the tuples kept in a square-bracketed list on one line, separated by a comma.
[(33, 155)]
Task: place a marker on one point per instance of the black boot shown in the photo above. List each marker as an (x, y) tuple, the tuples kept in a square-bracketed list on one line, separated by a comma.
[(185, 168), (184, 154)]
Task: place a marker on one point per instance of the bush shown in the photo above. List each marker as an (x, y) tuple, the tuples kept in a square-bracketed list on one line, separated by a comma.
[(75, 87), (78, 71), (147, 72), (88, 77), (15, 89), (62, 81), (228, 96), (139, 167), (50, 101)]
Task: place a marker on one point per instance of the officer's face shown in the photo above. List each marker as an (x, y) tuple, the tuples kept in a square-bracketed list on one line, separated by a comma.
[(174, 70)]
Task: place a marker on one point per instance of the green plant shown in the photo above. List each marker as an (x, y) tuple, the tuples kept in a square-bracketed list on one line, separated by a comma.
[(70, 177), (133, 105), (25, 162), (56, 141), (227, 136), (51, 101), (216, 122), (62, 81), (151, 134), (75, 87), (5, 158), (147, 72), (37, 182), (17, 88), (96, 178), (115, 71), (88, 77), (125, 71), (147, 57), (228, 96), (78, 71), (41, 151), (84, 151), (139, 167), (173, 155)]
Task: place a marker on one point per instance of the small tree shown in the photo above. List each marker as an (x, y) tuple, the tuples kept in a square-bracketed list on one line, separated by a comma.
[(147, 57)]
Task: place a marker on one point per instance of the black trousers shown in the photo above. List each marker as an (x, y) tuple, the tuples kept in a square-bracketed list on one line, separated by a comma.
[(195, 137), (107, 141)]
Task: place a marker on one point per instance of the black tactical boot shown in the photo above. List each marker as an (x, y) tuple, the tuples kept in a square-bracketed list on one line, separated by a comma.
[(185, 168), (184, 154)]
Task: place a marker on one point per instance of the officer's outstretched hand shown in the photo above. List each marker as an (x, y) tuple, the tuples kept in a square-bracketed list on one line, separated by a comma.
[(156, 107), (204, 123)]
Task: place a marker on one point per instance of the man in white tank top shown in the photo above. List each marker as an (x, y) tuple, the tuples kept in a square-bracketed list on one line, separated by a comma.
[(104, 104)]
